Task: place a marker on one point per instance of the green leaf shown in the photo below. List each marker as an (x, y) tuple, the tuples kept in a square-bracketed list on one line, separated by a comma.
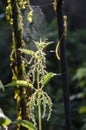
[(81, 72), (20, 83), (25, 124), (82, 110), (47, 77), (28, 52), (4, 121)]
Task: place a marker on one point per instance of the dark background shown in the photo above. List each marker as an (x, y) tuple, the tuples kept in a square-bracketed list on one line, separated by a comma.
[(76, 56)]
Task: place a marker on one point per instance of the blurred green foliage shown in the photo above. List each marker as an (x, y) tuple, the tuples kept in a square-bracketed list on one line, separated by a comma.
[(76, 53)]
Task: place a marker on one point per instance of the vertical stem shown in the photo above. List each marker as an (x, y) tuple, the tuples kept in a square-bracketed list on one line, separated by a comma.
[(39, 102), (39, 113), (68, 121)]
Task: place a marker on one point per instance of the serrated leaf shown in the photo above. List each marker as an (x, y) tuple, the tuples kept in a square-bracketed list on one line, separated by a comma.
[(20, 83), (47, 77), (30, 52), (25, 124), (4, 121), (42, 44)]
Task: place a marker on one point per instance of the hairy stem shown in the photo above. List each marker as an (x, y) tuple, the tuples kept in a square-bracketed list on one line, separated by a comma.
[(39, 101), (39, 112)]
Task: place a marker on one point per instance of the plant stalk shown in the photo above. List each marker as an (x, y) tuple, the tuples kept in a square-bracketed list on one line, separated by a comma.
[(39, 113), (39, 101)]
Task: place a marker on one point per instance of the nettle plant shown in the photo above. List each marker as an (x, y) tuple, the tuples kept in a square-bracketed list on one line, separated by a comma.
[(38, 104), (40, 77)]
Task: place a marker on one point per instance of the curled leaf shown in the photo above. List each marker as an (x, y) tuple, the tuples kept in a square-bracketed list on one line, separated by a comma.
[(57, 50)]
